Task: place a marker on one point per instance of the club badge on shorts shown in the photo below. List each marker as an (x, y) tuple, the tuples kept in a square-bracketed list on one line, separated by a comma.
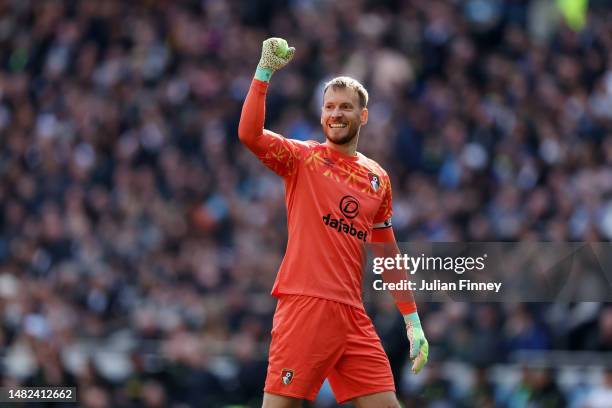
[(374, 181), (286, 376)]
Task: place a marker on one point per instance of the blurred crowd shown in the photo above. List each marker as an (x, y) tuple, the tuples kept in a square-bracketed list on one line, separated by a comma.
[(139, 240)]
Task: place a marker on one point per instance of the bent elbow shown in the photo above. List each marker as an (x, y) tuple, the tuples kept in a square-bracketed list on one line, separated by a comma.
[(245, 135)]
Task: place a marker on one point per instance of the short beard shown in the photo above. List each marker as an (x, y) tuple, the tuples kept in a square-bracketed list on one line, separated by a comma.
[(345, 140)]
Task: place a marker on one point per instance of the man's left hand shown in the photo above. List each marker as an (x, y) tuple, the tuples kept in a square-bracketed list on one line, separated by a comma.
[(419, 347)]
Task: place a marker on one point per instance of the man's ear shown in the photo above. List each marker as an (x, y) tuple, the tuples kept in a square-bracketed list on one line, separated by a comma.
[(364, 116)]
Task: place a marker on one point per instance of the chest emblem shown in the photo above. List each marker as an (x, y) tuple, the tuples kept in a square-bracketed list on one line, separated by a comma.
[(374, 181)]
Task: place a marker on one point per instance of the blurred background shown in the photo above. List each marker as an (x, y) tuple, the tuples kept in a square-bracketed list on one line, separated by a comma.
[(139, 240)]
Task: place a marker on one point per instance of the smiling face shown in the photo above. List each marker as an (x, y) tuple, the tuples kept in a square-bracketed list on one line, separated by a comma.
[(342, 115)]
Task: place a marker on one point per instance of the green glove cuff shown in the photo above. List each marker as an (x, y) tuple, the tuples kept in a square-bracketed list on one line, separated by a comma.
[(414, 319), (263, 74)]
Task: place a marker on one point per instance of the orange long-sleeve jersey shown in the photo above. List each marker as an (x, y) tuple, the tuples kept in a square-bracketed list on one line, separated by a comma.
[(333, 201)]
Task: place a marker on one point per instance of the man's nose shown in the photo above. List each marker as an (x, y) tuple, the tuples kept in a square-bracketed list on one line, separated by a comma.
[(336, 113)]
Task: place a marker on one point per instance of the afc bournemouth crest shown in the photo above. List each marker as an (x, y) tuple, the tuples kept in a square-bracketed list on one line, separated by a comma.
[(286, 376), (374, 181)]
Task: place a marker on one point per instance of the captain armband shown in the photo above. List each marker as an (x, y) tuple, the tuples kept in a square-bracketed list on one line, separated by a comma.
[(385, 224)]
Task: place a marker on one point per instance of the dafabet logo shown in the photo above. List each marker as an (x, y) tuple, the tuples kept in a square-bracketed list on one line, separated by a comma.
[(349, 207)]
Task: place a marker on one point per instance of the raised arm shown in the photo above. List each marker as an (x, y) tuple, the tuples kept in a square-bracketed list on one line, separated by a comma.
[(251, 127), (276, 152), (275, 54)]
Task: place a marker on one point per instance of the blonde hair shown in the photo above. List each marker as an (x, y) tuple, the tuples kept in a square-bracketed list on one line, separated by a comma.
[(350, 83)]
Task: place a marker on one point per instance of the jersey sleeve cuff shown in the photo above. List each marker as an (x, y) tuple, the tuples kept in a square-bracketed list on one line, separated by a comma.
[(406, 308), (259, 86)]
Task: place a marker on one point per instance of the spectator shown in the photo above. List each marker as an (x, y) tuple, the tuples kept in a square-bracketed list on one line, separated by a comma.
[(600, 397)]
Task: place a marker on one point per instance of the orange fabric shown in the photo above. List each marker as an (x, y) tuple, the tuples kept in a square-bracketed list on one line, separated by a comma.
[(314, 339), (403, 299), (332, 202)]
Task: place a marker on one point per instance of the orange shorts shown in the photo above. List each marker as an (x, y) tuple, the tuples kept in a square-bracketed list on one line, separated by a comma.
[(314, 339)]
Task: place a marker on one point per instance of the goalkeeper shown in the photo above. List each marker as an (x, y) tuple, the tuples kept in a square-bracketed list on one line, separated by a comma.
[(336, 200)]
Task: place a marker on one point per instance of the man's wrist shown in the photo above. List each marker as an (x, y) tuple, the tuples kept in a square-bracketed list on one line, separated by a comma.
[(413, 319), (263, 74)]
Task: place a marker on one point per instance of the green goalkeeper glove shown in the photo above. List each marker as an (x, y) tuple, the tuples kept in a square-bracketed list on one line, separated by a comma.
[(419, 347), (275, 54)]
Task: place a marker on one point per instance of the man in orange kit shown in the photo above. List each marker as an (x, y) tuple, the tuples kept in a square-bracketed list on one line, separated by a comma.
[(337, 199)]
